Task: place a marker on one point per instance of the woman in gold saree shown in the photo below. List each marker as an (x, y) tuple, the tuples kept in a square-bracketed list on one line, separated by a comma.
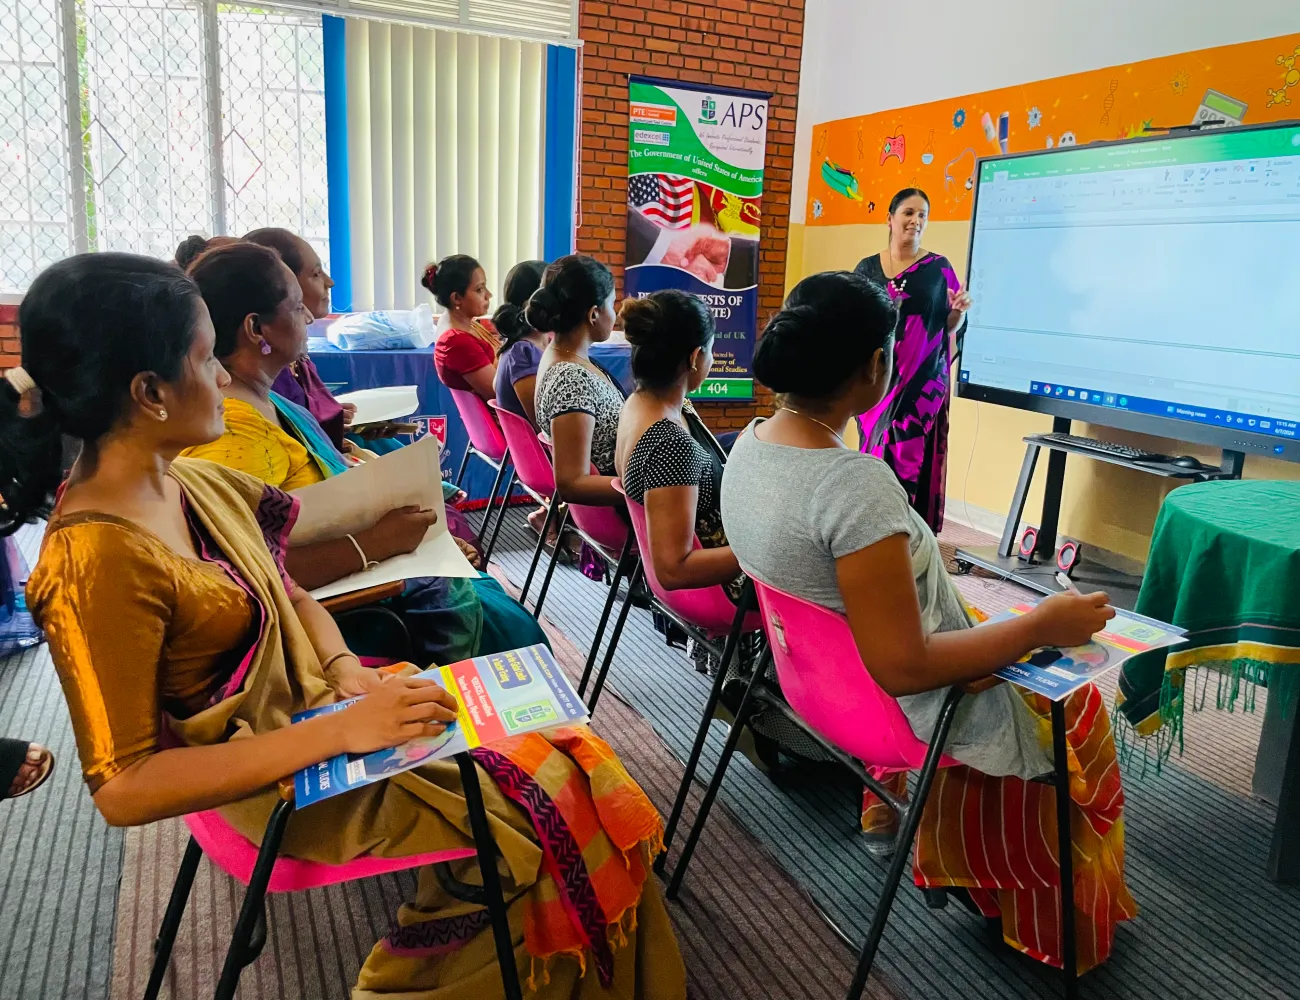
[(184, 649)]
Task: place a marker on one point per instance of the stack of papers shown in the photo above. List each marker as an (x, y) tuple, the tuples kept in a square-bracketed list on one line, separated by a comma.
[(355, 500), (378, 406)]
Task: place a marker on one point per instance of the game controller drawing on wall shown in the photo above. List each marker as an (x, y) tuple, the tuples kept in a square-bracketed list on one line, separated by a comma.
[(895, 146)]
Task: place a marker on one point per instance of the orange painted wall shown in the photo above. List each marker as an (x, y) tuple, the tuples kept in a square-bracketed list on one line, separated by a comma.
[(934, 146)]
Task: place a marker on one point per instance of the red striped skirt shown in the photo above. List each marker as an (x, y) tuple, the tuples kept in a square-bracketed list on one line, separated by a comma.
[(996, 837)]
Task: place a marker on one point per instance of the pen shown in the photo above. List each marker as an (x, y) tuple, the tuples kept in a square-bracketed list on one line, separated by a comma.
[(1067, 584)]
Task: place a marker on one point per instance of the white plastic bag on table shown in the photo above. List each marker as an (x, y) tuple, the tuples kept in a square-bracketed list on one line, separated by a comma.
[(384, 330)]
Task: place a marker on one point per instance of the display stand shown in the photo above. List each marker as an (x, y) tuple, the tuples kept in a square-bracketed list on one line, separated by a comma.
[(1039, 572)]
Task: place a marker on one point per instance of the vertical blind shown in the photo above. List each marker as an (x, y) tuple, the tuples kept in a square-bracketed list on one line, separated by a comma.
[(444, 155)]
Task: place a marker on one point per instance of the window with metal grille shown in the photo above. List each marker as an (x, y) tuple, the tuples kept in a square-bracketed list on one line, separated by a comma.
[(129, 124)]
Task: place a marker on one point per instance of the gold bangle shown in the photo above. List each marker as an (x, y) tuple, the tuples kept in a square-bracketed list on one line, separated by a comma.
[(324, 667)]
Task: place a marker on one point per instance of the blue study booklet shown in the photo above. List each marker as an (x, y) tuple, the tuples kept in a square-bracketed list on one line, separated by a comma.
[(1058, 671), (501, 694)]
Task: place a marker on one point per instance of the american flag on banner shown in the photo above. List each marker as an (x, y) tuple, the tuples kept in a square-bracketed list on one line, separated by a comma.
[(669, 201)]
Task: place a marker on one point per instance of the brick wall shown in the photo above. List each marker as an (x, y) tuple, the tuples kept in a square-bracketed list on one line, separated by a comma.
[(9, 353), (724, 43)]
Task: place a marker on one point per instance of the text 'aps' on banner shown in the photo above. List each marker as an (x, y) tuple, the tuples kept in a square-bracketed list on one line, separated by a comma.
[(695, 181)]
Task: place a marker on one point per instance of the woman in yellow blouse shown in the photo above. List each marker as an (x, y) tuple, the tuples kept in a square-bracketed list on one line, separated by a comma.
[(257, 311), (184, 649)]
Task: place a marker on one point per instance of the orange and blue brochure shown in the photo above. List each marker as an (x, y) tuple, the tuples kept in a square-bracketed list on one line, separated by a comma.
[(500, 695), (1056, 672)]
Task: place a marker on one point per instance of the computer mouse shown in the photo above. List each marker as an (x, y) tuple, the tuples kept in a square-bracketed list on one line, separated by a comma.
[(1187, 462)]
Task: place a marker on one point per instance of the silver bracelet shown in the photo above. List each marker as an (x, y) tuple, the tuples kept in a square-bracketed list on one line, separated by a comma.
[(365, 563)]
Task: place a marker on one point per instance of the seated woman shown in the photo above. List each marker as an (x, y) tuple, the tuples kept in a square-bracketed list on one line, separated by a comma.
[(521, 346), (833, 526), (465, 354), (257, 311), (184, 648), (577, 401), (665, 456)]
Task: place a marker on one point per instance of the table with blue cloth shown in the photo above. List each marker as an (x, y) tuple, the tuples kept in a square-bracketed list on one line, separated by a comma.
[(1225, 565), (348, 371)]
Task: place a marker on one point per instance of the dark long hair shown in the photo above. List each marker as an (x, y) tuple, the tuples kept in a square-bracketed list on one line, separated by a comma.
[(571, 287), (524, 279), (449, 276), (282, 242), (664, 328), (903, 195), (237, 281), (836, 315), (89, 325)]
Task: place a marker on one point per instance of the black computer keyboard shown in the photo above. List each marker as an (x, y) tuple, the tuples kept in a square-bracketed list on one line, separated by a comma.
[(1105, 447)]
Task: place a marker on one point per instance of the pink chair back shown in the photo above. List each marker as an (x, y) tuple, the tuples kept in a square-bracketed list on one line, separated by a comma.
[(484, 432), (602, 525), (823, 678), (707, 608), (236, 855), (530, 460)]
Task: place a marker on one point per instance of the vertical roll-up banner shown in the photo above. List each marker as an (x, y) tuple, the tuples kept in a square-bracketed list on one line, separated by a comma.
[(695, 182)]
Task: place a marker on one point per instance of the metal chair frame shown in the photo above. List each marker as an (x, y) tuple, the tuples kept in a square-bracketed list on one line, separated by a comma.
[(249, 937)]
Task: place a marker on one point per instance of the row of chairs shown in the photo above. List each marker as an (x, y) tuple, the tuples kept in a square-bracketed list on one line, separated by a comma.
[(824, 688)]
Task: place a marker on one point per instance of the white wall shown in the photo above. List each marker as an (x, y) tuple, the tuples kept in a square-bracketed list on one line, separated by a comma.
[(862, 56)]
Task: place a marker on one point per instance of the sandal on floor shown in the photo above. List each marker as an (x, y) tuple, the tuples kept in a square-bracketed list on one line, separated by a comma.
[(13, 755)]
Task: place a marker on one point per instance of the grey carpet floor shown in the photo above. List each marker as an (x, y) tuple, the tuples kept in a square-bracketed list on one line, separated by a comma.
[(59, 862), (779, 851), (1211, 924)]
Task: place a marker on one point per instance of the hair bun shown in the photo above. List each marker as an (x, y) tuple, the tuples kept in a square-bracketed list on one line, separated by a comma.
[(543, 309), (430, 275), (641, 319)]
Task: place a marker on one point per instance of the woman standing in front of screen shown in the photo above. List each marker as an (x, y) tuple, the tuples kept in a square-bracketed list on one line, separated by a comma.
[(908, 428)]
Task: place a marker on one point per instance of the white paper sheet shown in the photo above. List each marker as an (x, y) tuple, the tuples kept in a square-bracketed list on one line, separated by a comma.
[(354, 500), (376, 406)]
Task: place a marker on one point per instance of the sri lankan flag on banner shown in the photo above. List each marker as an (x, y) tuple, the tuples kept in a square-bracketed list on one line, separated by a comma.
[(728, 212)]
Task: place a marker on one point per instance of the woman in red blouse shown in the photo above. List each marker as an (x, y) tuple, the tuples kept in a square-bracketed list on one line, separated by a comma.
[(465, 354)]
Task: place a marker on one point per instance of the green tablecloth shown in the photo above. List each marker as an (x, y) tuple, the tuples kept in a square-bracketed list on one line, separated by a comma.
[(1225, 565)]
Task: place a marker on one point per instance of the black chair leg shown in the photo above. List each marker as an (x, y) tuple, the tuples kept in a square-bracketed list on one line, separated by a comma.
[(903, 844), (555, 557), (620, 569), (487, 862), (728, 748), (162, 946), (241, 951), (551, 510), (599, 686), (460, 473), (1065, 850), (501, 516), (492, 496), (710, 706)]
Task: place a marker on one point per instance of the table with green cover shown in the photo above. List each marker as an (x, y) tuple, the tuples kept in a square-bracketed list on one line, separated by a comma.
[(1225, 565)]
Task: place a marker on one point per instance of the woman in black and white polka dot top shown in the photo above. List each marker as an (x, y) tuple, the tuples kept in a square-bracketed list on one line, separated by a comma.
[(667, 459)]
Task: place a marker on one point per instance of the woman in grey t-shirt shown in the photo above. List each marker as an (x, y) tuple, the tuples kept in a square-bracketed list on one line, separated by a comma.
[(831, 525)]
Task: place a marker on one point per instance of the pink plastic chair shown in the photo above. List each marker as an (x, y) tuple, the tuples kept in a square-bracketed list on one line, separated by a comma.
[(706, 614), (532, 468), (827, 690), (604, 529), (488, 444), (263, 872)]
